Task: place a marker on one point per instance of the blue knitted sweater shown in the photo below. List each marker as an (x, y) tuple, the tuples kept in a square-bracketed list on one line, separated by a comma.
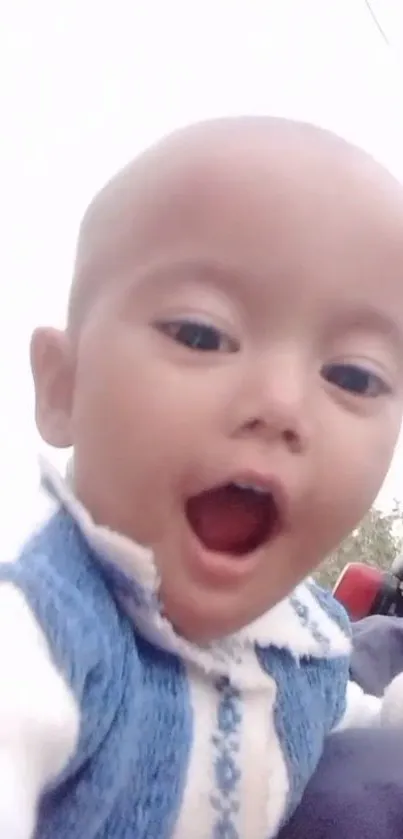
[(176, 740)]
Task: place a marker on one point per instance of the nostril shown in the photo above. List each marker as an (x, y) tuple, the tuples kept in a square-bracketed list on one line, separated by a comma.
[(253, 424), (293, 440)]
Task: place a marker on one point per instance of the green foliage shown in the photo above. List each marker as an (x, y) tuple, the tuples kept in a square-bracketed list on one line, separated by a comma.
[(376, 541)]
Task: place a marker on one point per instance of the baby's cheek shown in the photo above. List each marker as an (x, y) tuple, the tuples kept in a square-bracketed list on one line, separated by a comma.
[(349, 474)]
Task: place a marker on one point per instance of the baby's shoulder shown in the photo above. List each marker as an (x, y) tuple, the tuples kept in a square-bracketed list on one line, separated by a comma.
[(75, 643), (310, 662), (325, 600), (64, 589)]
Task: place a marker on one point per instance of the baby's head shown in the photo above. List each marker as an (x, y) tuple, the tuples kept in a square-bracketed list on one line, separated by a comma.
[(231, 377)]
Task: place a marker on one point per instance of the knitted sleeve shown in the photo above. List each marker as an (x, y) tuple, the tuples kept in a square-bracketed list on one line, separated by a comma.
[(355, 707), (63, 648)]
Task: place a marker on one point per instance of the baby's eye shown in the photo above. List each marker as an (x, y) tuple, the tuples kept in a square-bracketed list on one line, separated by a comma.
[(198, 336), (355, 379)]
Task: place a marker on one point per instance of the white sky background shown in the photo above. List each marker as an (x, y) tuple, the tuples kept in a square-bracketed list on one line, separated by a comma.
[(86, 84)]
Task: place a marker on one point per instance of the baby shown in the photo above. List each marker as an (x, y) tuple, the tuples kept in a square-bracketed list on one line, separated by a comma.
[(231, 383)]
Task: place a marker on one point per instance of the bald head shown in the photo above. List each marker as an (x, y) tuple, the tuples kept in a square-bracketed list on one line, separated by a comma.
[(160, 187)]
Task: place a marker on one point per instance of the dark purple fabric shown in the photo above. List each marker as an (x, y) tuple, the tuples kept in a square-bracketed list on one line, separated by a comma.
[(378, 652), (357, 791)]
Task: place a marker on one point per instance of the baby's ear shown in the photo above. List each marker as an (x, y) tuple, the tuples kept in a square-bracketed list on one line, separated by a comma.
[(53, 373)]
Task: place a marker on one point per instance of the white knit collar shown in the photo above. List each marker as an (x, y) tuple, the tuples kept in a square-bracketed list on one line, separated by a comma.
[(298, 624)]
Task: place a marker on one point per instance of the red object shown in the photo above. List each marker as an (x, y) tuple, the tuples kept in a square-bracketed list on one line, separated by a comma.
[(360, 589)]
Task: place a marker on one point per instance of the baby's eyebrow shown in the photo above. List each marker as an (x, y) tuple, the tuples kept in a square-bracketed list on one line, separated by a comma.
[(184, 270), (219, 276), (371, 319)]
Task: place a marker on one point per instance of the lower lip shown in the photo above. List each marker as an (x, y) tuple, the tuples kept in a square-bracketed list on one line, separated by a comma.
[(215, 566)]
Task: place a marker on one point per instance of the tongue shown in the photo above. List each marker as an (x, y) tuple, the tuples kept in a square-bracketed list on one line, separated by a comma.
[(230, 519)]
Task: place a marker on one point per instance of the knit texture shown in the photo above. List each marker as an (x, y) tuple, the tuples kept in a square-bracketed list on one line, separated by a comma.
[(135, 770)]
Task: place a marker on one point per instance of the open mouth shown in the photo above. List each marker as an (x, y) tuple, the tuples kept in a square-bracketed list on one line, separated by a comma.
[(234, 518)]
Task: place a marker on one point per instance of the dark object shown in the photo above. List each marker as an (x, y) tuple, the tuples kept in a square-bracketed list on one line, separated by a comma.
[(357, 791), (364, 590), (377, 654)]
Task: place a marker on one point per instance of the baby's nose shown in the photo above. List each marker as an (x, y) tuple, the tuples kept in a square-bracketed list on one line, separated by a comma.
[(277, 404)]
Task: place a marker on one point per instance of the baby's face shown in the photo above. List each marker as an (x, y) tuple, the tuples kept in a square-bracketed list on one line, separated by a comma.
[(237, 391)]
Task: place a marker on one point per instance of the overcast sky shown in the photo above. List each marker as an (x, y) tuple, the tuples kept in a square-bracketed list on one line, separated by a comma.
[(86, 84)]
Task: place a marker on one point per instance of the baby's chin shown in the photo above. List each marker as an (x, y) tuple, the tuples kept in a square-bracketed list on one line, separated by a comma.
[(203, 617)]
